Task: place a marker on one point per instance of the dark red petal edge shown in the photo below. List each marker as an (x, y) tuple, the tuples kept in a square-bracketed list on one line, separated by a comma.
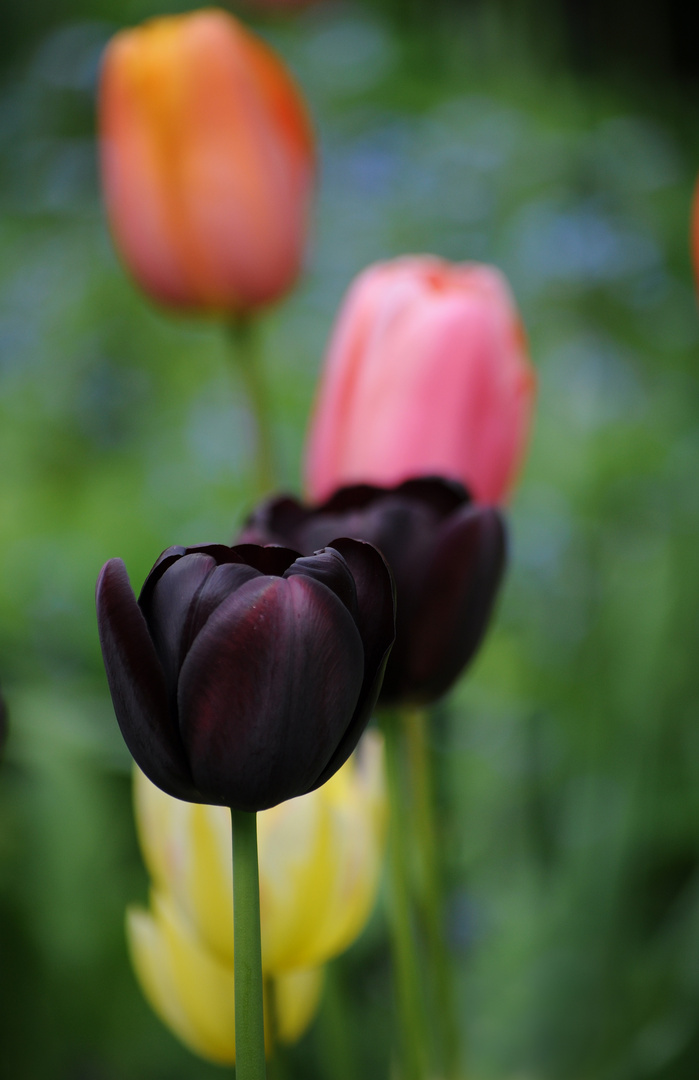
[(137, 685), (165, 559)]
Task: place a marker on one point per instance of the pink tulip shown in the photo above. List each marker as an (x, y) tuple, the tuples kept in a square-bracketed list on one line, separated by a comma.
[(207, 162), (427, 373)]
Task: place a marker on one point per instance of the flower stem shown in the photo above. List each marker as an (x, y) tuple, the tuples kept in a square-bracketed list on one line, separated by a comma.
[(249, 1014), (409, 985), (430, 896), (248, 360)]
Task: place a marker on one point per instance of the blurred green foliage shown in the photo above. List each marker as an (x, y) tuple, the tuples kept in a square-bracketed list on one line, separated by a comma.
[(568, 762)]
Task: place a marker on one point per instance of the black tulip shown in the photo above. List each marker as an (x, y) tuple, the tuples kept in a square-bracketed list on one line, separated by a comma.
[(245, 676), (447, 555)]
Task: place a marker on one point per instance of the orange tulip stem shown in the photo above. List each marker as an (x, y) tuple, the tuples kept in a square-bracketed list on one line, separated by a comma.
[(429, 888), (250, 369), (249, 1011), (409, 977)]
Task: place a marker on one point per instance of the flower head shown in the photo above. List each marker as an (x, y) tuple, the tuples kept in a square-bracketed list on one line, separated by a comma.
[(245, 676), (447, 556), (426, 374), (207, 162)]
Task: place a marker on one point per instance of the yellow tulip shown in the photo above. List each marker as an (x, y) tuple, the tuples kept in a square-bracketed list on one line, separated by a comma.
[(320, 859), (192, 990)]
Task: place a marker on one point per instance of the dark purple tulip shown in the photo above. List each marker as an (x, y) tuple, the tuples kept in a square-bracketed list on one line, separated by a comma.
[(245, 676), (447, 555)]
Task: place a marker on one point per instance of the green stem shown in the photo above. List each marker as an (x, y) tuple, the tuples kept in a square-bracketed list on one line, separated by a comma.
[(249, 1012), (409, 986), (249, 364), (430, 890)]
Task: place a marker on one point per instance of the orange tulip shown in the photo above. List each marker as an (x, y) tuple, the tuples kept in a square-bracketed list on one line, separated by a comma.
[(426, 373), (207, 162)]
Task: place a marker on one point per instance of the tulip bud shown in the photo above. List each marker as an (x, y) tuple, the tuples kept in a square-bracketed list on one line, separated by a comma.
[(426, 374), (446, 555), (207, 162), (245, 676)]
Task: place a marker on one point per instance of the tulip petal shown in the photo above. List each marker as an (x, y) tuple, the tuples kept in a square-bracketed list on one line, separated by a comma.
[(220, 553), (288, 663), (272, 558), (376, 605), (165, 559), (296, 1001), (442, 494), (167, 612), (221, 582), (328, 567), (298, 863), (152, 963), (137, 685), (357, 834), (191, 991), (459, 593), (320, 861), (187, 850), (281, 516)]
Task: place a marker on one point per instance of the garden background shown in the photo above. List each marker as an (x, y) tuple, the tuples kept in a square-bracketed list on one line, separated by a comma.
[(564, 150)]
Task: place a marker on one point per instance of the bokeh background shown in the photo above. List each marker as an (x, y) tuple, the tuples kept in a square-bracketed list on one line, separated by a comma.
[(562, 145)]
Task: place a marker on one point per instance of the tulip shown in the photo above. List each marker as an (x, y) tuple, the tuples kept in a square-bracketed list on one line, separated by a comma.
[(320, 858), (207, 162), (245, 676), (426, 374), (447, 556)]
